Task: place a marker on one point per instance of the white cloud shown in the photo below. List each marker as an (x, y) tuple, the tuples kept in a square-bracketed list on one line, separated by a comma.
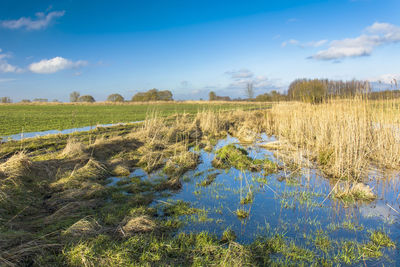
[(53, 65), (7, 67), (291, 41), (386, 78), (240, 78), (377, 34), (42, 21), (239, 74)]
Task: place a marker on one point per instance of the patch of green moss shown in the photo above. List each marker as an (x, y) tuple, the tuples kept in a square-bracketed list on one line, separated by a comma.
[(237, 157)]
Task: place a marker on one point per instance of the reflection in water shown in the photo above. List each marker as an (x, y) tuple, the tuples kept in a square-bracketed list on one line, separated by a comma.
[(287, 204)]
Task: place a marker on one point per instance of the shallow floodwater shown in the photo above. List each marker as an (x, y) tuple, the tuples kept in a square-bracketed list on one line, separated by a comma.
[(20, 136), (289, 204)]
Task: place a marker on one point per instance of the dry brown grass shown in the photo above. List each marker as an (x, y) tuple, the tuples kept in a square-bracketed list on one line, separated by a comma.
[(17, 166), (354, 191), (14, 256), (74, 149), (84, 227), (138, 224)]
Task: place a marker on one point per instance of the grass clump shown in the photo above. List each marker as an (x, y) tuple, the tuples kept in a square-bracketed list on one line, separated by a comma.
[(381, 239), (322, 241), (242, 214), (18, 165), (247, 199), (209, 179), (121, 170), (228, 236), (83, 227), (351, 192), (74, 148), (178, 208), (138, 224), (237, 157), (180, 163)]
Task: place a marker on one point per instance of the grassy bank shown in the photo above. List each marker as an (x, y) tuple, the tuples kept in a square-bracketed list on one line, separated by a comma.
[(17, 118)]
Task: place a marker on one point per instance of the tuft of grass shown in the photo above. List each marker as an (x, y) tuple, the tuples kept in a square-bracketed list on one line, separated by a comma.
[(180, 163), (138, 224), (354, 191), (381, 239), (242, 214), (233, 156), (209, 179), (228, 236), (247, 199), (74, 148)]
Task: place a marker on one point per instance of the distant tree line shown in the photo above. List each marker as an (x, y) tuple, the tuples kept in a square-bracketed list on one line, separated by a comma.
[(317, 90), (271, 96), (150, 95), (212, 96), (307, 90), (153, 95)]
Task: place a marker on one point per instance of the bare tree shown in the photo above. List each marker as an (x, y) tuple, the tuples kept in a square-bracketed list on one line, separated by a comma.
[(74, 96), (5, 99), (249, 90)]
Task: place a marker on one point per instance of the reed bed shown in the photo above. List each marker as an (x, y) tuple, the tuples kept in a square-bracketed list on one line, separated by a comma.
[(346, 137)]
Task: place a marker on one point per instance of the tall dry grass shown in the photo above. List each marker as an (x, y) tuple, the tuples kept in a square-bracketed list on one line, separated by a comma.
[(346, 137)]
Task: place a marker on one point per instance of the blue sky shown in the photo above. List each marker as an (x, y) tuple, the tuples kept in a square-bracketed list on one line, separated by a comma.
[(51, 48)]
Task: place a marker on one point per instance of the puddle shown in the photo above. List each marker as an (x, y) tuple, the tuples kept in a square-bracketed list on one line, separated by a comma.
[(21, 136), (280, 204)]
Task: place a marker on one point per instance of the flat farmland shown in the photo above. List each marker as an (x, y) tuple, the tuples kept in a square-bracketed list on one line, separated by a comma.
[(18, 118)]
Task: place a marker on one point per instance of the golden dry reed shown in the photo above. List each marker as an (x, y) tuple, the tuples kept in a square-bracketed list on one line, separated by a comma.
[(346, 137)]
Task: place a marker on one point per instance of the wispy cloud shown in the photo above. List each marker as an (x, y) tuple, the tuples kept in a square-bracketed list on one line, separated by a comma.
[(47, 66), (240, 78), (2, 80), (239, 74), (41, 21), (376, 35), (304, 45), (7, 67)]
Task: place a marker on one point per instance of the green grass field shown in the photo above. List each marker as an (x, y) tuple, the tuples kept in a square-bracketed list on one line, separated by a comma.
[(17, 118)]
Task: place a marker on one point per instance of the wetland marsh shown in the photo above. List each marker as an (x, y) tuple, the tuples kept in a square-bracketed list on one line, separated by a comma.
[(220, 188)]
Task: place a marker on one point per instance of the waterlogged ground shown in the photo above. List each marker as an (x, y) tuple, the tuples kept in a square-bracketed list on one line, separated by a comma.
[(21, 136), (289, 205)]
